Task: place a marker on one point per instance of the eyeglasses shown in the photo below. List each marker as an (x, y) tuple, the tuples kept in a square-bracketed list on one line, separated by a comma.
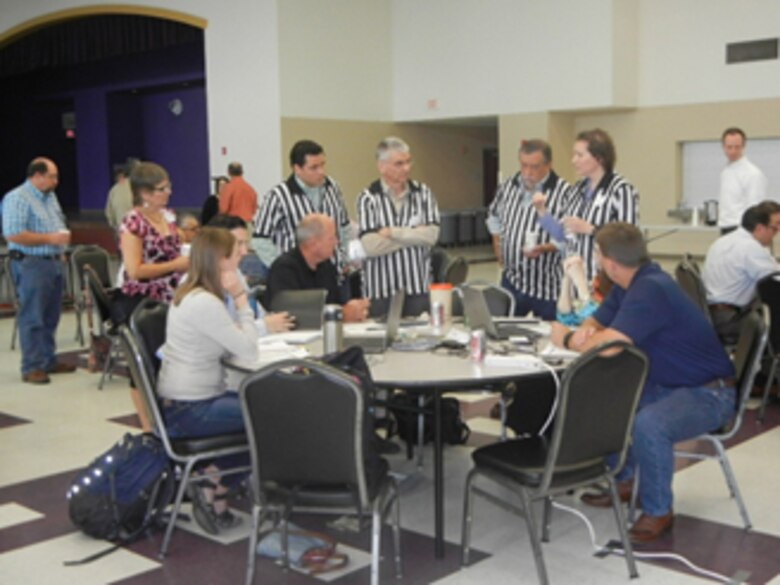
[(164, 188)]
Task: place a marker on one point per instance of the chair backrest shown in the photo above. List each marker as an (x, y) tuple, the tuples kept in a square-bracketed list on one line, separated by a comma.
[(148, 322), (500, 302), (305, 422), (98, 293), (447, 268), (753, 335), (140, 339), (768, 289), (598, 400), (689, 279), (97, 258)]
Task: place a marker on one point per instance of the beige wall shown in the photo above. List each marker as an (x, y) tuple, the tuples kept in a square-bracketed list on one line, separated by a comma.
[(446, 157)]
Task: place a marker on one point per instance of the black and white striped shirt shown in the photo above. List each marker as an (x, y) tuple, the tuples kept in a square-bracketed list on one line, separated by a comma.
[(284, 206), (410, 267), (614, 199), (538, 277)]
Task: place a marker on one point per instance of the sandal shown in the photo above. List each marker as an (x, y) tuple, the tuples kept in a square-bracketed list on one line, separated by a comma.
[(202, 510)]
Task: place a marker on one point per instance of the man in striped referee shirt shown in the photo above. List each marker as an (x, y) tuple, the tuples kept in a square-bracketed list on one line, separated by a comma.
[(307, 190), (531, 261), (399, 223)]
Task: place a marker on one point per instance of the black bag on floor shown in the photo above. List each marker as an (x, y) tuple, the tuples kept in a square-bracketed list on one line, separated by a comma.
[(123, 492), (453, 430)]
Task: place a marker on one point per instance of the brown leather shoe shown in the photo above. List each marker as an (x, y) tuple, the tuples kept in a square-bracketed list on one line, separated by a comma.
[(602, 500), (648, 528), (36, 377), (62, 368)]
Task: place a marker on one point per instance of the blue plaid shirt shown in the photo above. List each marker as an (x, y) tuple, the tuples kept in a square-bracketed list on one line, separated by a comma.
[(26, 209)]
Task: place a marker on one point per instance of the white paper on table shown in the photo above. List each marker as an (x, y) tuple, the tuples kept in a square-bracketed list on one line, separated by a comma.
[(290, 337), (553, 351), (523, 361)]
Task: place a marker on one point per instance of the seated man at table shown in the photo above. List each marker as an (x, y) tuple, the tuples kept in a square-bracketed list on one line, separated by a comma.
[(690, 388), (308, 266), (735, 263)]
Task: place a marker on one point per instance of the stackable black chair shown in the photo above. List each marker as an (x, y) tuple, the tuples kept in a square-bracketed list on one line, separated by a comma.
[(747, 363), (310, 446), (99, 298), (141, 340), (14, 299), (689, 278), (98, 259), (598, 401), (768, 290)]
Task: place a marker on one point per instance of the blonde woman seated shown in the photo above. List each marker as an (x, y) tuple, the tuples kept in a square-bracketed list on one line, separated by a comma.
[(200, 332)]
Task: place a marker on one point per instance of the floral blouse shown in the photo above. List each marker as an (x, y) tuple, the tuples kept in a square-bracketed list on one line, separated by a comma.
[(156, 248)]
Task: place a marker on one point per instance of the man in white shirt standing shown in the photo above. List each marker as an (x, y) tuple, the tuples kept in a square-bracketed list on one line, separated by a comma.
[(736, 262), (742, 183)]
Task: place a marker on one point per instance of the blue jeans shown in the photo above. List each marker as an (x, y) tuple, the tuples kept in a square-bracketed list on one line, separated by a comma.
[(525, 304), (39, 283), (667, 416), (220, 415)]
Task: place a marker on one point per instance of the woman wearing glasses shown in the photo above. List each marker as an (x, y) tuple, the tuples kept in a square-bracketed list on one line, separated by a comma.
[(151, 250)]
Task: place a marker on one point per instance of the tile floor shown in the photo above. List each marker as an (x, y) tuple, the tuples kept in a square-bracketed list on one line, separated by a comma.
[(48, 432)]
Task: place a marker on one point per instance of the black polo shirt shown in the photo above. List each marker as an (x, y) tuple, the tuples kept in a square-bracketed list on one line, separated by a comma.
[(290, 272)]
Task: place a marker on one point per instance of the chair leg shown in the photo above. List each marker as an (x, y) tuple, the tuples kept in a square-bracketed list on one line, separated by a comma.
[(376, 540), (397, 529), (533, 533), (79, 330), (731, 482), (258, 517), (468, 507), (546, 519), (634, 497), (617, 507), (420, 431), (106, 367), (15, 332), (767, 388), (185, 480)]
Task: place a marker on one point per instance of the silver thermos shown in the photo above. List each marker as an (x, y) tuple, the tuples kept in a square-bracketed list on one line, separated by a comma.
[(332, 328)]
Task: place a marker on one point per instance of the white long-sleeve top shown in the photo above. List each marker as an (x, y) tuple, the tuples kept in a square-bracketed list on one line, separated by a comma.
[(200, 332), (742, 184)]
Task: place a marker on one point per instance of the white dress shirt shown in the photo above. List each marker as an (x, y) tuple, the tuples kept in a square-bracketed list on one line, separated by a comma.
[(742, 184)]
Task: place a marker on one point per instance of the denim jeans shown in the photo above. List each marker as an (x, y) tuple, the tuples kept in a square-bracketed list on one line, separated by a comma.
[(667, 416), (220, 415), (525, 304), (39, 283)]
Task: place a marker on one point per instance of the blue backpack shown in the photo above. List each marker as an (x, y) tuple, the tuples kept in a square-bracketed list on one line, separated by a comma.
[(123, 492)]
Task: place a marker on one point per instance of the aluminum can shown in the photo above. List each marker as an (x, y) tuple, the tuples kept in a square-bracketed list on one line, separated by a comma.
[(437, 314), (478, 345), (332, 332)]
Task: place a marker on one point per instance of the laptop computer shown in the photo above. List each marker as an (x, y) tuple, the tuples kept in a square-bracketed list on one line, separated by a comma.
[(305, 305), (380, 337), (475, 309)]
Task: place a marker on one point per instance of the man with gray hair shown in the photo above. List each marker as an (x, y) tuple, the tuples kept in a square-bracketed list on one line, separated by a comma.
[(399, 223), (530, 259), (308, 266)]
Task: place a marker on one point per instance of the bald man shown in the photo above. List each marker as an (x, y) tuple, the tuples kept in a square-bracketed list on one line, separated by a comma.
[(34, 225), (308, 266)]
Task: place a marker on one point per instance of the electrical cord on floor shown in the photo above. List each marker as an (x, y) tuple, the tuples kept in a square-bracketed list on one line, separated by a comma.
[(554, 407), (615, 548)]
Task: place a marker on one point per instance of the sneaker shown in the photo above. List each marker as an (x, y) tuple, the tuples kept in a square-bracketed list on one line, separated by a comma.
[(227, 520), (202, 510)]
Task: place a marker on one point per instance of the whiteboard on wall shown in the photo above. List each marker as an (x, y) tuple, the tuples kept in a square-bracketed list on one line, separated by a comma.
[(702, 162)]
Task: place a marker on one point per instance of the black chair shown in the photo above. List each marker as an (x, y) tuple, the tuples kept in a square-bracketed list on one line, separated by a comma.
[(141, 340), (768, 290), (689, 278), (747, 362), (500, 302), (14, 299), (599, 396), (447, 268), (306, 424), (98, 258), (98, 297)]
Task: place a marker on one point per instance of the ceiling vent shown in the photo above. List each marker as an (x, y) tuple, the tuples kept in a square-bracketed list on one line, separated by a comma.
[(747, 51)]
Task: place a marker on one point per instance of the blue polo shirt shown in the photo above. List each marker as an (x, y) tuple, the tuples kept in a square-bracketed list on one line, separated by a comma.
[(663, 321)]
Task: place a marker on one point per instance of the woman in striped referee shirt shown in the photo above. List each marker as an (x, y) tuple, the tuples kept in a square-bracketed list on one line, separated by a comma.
[(602, 196)]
